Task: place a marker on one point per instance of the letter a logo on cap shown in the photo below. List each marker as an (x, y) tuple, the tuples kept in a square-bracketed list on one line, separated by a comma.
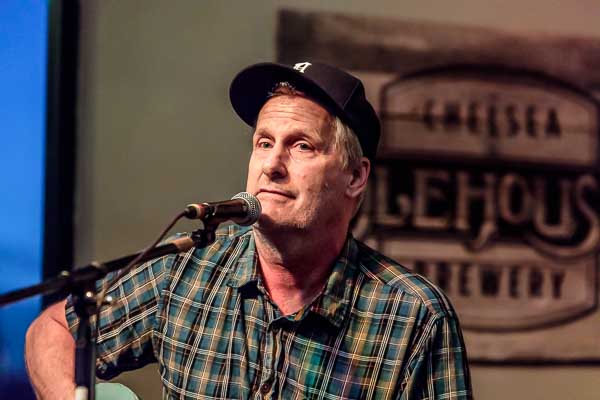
[(302, 66)]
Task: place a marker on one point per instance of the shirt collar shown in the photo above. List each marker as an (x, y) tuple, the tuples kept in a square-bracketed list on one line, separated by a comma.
[(335, 299)]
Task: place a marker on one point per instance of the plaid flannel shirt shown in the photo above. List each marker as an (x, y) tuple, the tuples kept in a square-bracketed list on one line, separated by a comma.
[(376, 331)]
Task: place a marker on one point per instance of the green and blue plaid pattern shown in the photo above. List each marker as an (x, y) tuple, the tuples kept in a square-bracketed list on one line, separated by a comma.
[(377, 330)]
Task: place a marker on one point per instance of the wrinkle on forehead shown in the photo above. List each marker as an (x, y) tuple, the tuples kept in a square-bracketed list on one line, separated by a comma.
[(290, 109)]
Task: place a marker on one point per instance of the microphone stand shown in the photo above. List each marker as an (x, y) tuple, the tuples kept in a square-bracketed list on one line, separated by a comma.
[(81, 283)]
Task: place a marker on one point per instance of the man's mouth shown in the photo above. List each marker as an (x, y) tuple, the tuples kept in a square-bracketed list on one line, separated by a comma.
[(278, 192)]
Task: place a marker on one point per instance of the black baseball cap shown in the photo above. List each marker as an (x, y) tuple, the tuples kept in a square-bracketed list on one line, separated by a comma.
[(340, 93)]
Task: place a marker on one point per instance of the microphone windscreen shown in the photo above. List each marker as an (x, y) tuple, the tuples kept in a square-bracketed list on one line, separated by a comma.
[(254, 208)]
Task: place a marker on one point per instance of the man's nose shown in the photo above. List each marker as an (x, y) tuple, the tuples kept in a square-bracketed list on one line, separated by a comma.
[(275, 164)]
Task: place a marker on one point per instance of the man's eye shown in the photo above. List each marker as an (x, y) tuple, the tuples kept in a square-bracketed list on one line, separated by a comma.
[(263, 145), (304, 146)]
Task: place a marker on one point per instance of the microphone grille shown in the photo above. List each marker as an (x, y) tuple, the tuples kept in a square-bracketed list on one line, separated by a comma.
[(254, 208)]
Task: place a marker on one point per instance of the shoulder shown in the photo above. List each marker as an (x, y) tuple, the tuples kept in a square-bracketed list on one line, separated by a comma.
[(204, 268), (392, 277), (230, 236), (230, 241), (231, 232)]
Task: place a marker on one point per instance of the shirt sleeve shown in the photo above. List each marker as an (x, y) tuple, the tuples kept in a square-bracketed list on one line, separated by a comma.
[(438, 368), (125, 327)]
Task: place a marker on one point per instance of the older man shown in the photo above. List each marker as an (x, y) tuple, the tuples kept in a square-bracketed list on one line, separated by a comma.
[(293, 307)]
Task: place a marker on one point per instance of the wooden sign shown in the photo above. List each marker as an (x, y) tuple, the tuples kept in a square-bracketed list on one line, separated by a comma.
[(486, 180)]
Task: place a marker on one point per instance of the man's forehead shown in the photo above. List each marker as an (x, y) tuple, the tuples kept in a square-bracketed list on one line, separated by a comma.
[(294, 109)]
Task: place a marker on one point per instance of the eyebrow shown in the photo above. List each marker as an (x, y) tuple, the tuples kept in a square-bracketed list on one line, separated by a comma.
[(261, 132)]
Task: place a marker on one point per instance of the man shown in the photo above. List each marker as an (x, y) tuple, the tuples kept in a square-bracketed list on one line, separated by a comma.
[(293, 307)]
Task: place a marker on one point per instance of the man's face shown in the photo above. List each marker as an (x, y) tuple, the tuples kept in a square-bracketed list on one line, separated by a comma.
[(294, 170)]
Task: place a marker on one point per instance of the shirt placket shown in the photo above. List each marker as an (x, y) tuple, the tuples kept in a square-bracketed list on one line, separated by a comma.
[(271, 353)]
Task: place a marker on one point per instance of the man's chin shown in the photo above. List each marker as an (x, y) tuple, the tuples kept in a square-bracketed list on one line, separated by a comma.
[(268, 224)]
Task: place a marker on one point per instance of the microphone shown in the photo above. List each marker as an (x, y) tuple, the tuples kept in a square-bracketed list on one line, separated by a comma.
[(243, 209)]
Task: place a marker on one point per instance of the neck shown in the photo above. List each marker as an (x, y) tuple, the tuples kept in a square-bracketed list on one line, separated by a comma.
[(295, 266)]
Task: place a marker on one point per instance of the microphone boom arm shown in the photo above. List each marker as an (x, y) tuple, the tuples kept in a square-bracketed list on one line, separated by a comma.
[(95, 270)]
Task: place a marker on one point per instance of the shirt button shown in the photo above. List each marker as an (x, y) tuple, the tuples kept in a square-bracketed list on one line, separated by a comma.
[(265, 387)]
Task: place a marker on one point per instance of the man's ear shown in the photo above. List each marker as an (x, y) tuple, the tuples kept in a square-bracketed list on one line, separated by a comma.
[(359, 178)]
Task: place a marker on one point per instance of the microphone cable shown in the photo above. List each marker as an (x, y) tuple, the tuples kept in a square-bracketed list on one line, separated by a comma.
[(123, 271)]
